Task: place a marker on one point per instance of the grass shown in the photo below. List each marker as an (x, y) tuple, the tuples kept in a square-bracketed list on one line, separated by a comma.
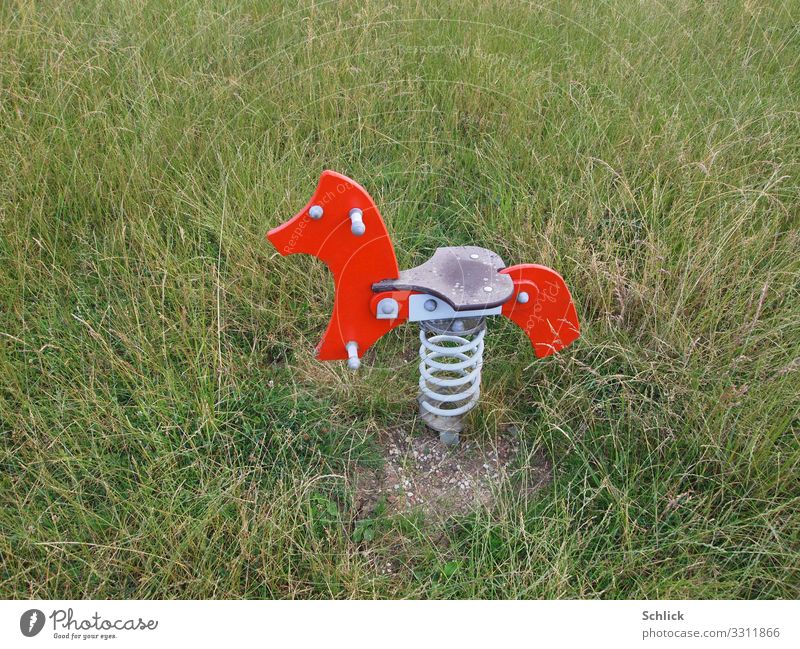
[(166, 431)]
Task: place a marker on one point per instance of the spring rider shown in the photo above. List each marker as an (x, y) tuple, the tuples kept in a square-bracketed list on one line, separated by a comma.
[(450, 296)]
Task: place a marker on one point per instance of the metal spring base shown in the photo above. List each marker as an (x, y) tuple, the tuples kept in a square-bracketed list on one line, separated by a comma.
[(451, 358)]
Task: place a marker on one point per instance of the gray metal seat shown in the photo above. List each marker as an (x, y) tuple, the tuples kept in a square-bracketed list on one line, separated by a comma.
[(466, 277)]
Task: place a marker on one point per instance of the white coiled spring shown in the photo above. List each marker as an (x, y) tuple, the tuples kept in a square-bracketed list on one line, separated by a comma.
[(450, 369)]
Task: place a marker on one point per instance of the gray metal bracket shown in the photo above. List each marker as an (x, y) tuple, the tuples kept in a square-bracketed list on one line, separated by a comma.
[(429, 307)]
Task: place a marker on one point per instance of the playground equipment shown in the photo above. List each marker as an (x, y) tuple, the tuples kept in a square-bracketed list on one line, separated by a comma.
[(451, 295)]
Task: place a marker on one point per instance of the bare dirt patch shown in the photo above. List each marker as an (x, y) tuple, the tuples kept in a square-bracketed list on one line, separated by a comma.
[(421, 473)]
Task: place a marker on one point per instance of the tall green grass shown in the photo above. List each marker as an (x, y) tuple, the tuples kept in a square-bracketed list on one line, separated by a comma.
[(165, 430)]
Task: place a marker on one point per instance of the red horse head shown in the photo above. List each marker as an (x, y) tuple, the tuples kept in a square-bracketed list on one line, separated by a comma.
[(342, 226)]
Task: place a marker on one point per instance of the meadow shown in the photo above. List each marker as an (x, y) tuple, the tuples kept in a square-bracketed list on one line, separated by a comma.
[(165, 430)]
